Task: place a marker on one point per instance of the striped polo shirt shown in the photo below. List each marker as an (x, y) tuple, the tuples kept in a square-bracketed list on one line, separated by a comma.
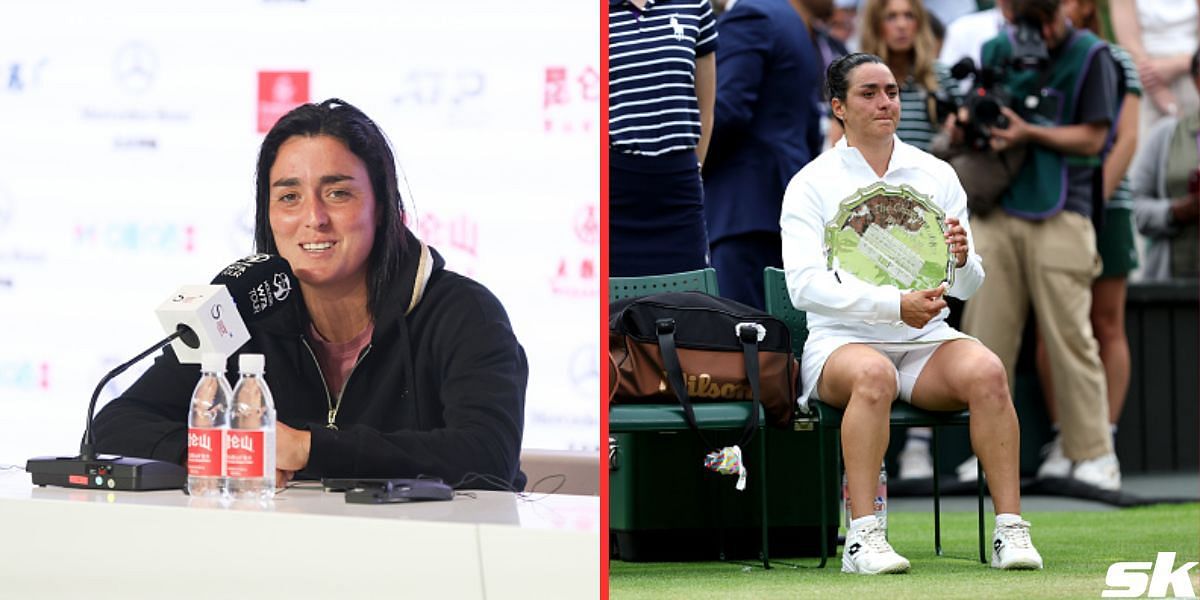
[(1122, 197), (652, 108), (915, 126)]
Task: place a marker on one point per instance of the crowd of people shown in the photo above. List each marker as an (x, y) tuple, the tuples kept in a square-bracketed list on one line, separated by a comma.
[(1094, 117)]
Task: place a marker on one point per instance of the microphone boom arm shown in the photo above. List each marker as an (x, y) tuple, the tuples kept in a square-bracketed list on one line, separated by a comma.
[(87, 448)]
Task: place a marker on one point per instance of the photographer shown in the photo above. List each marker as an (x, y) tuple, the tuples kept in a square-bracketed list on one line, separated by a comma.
[(1039, 244)]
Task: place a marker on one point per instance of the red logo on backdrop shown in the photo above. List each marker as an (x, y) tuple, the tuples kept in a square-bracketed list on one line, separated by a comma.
[(455, 236), (569, 97), (279, 92), (460, 232), (577, 274), (587, 224)]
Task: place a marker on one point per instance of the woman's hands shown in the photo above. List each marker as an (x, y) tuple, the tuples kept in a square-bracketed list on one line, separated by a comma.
[(291, 448), (918, 307), (956, 238)]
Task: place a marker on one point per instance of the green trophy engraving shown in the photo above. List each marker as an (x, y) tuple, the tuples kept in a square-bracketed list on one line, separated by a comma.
[(889, 235)]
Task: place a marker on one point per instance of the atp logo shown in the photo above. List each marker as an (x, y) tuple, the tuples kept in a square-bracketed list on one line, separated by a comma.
[(1132, 583), (20, 76)]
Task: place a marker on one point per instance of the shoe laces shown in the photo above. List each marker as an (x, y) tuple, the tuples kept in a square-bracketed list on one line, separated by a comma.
[(1016, 534), (875, 539)]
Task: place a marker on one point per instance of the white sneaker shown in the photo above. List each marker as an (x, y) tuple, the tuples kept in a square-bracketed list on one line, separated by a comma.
[(1103, 472), (916, 463), (969, 469), (1012, 548), (868, 552), (1054, 462)]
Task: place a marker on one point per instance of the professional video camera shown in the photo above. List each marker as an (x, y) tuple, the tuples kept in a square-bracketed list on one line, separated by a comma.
[(988, 90)]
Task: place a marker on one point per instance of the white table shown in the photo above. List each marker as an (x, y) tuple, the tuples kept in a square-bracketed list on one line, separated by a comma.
[(66, 543)]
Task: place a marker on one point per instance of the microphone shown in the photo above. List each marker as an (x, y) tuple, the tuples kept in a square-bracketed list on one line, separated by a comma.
[(257, 285), (198, 319), (963, 68)]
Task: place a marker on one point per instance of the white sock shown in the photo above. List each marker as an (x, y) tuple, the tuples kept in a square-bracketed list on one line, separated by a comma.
[(916, 444), (1004, 519), (861, 522)]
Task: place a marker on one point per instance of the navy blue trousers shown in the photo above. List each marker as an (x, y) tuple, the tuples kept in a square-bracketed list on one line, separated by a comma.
[(740, 260)]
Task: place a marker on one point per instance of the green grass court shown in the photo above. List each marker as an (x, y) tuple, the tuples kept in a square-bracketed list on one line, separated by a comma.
[(1078, 548)]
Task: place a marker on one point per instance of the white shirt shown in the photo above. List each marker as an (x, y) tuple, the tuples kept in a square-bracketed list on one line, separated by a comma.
[(839, 304), (1169, 27), (966, 35), (949, 11)]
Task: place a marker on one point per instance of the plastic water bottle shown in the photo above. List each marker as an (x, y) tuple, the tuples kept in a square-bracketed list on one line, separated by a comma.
[(250, 453), (880, 500), (208, 429), (847, 516)]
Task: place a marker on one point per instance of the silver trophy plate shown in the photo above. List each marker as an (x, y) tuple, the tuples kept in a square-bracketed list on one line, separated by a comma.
[(889, 235)]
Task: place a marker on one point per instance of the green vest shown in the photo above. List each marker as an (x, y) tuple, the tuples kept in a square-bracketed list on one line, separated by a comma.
[(1040, 187)]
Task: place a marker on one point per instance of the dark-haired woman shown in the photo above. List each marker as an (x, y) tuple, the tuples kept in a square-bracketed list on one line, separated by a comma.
[(870, 344), (391, 365), (901, 33)]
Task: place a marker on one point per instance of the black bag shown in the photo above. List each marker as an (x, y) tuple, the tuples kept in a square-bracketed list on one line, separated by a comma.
[(699, 348)]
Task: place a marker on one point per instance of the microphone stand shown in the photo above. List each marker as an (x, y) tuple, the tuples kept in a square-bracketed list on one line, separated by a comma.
[(89, 470)]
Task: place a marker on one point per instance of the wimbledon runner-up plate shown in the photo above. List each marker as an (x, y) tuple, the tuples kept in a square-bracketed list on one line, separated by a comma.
[(889, 235)]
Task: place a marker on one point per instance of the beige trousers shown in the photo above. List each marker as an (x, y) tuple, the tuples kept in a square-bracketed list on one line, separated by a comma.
[(1050, 264)]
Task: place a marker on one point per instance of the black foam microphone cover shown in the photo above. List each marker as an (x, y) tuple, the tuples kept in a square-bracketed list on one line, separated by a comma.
[(963, 68), (261, 285)]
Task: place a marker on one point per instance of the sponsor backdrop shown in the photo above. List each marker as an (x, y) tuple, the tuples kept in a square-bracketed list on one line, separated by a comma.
[(128, 137)]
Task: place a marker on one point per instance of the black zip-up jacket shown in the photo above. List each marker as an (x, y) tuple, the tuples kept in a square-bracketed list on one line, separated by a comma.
[(439, 391)]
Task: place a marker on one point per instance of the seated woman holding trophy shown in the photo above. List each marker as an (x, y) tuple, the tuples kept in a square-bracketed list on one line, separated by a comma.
[(875, 233)]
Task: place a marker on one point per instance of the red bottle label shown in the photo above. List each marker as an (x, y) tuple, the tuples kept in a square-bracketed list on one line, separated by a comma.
[(204, 452), (244, 454)]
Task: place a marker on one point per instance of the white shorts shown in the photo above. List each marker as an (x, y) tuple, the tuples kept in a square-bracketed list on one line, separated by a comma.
[(908, 358)]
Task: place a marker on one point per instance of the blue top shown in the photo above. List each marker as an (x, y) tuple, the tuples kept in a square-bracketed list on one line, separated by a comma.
[(766, 125), (652, 108)]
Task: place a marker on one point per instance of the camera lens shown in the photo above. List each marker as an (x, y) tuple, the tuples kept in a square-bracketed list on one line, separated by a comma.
[(987, 111)]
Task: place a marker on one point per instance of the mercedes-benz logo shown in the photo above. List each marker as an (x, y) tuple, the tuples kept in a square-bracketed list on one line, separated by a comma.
[(135, 67), (584, 370), (6, 209)]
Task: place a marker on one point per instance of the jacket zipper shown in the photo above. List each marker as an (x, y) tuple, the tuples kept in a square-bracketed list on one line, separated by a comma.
[(333, 408)]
